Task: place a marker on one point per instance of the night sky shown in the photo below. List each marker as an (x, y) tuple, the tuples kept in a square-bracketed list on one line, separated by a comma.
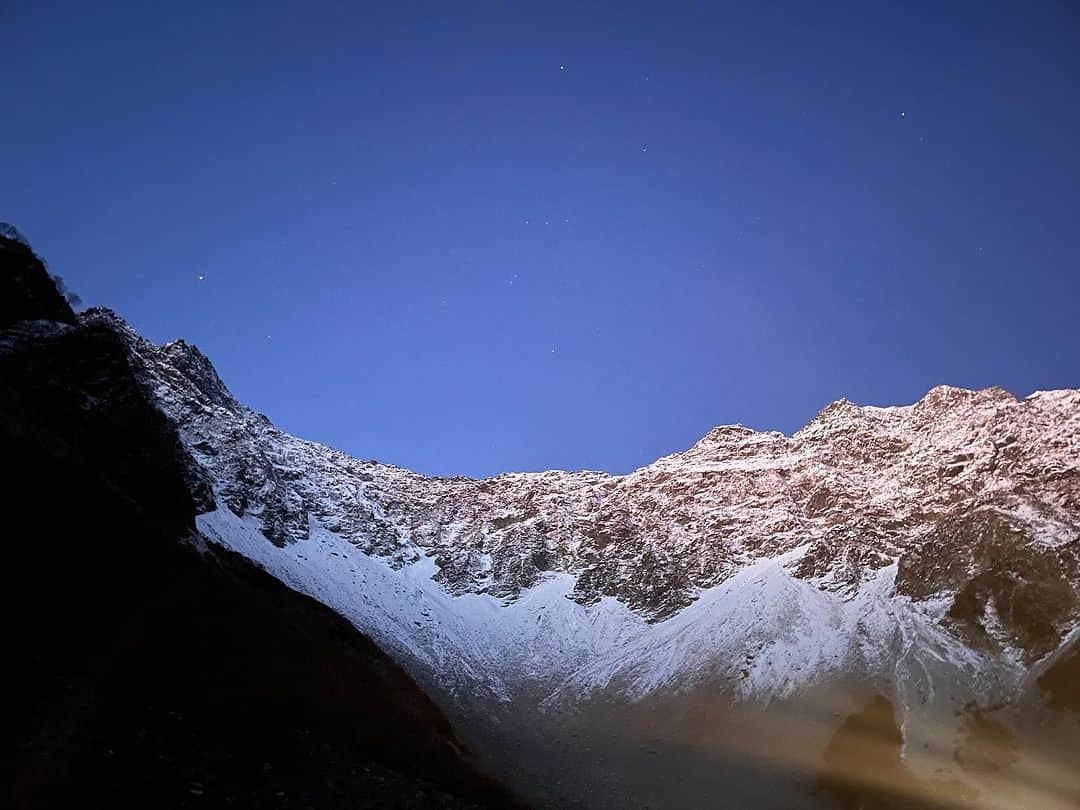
[(469, 238)]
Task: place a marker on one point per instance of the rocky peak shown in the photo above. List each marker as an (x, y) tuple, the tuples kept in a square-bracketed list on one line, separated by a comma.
[(839, 410), (726, 434), (727, 442), (199, 371)]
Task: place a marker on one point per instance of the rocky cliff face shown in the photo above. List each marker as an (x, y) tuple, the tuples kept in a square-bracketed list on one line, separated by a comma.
[(974, 496)]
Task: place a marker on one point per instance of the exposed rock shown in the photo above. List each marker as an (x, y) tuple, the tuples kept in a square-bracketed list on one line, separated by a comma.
[(858, 488), (1005, 589)]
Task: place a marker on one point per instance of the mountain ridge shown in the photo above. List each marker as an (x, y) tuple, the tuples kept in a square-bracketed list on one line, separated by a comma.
[(931, 550), (934, 396), (835, 430)]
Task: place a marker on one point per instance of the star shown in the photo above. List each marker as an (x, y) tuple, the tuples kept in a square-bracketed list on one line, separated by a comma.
[(562, 67), (903, 115), (201, 278), (644, 149)]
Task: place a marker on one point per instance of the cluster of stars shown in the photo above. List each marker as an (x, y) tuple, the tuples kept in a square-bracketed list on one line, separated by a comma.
[(526, 220)]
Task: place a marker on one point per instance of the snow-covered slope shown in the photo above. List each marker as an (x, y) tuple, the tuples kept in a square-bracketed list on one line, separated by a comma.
[(933, 547)]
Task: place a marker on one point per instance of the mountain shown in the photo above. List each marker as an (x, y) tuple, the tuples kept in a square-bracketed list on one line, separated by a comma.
[(148, 667), (929, 552), (882, 609)]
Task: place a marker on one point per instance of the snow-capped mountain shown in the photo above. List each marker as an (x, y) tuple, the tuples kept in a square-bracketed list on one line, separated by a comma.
[(932, 549), (960, 512)]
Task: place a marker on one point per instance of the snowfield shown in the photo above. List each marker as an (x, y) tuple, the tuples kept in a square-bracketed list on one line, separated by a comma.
[(762, 631)]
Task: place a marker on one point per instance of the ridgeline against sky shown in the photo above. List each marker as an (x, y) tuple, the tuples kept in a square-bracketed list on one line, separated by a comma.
[(506, 237)]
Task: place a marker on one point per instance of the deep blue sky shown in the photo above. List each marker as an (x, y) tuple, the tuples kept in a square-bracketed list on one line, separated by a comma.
[(423, 241)]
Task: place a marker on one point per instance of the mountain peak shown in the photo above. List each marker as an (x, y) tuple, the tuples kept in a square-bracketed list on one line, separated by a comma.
[(946, 397), (197, 368)]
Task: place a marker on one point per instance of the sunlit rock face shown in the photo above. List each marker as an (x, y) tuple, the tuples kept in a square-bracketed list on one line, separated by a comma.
[(931, 552), (964, 490)]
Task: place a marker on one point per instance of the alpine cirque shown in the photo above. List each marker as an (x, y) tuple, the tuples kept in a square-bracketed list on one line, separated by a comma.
[(913, 569)]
